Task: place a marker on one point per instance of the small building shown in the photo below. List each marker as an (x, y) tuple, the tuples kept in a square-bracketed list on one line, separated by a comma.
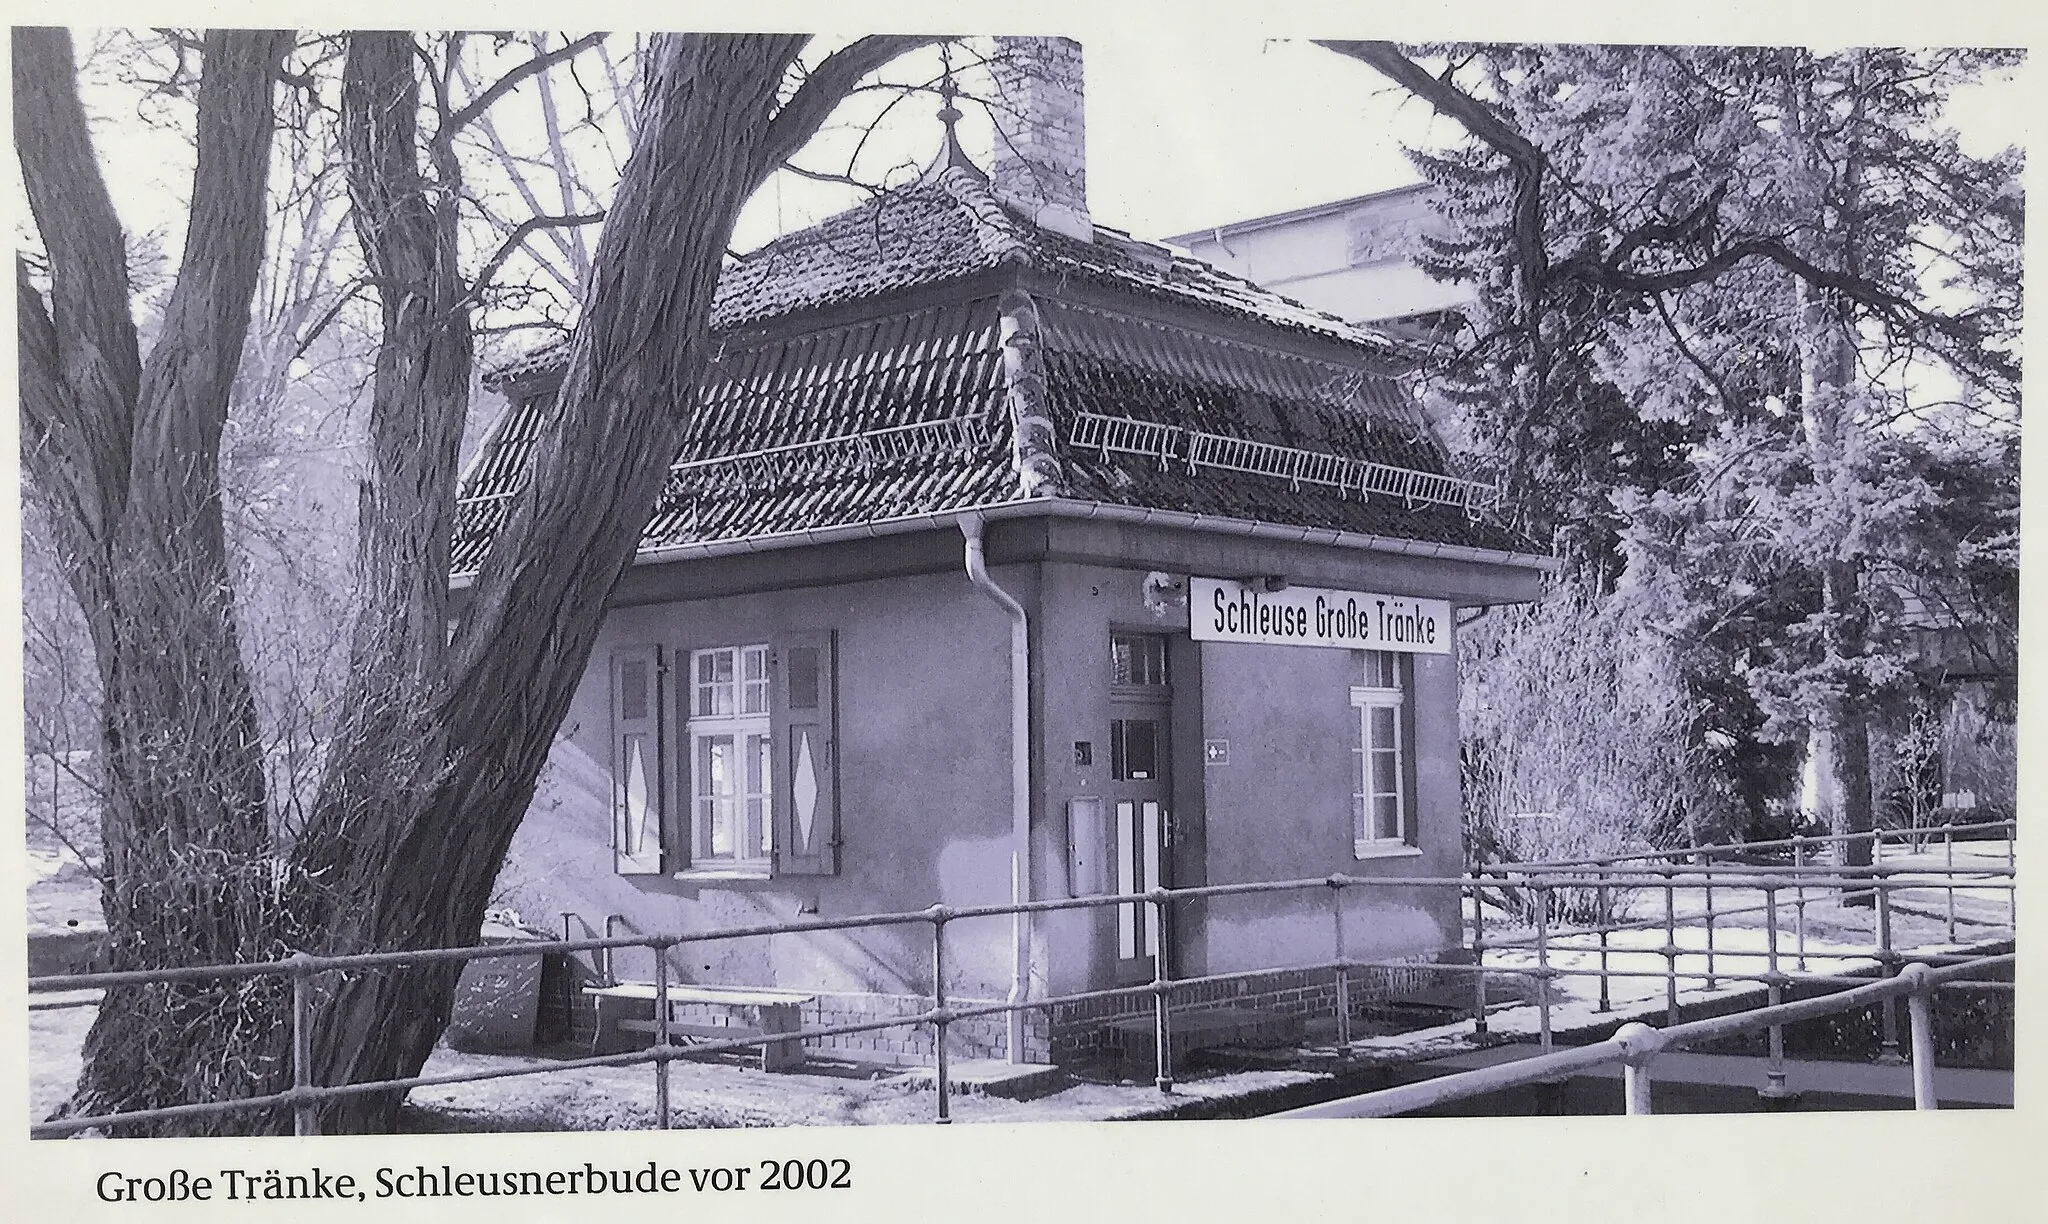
[(1012, 557)]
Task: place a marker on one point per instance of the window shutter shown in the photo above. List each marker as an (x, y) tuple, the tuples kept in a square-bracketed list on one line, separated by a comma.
[(806, 756), (636, 760)]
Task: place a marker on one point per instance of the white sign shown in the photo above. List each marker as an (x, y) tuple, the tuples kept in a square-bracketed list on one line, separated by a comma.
[(1220, 611)]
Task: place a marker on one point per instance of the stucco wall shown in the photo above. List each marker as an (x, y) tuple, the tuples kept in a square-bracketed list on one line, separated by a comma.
[(923, 729), (924, 776), (1281, 809)]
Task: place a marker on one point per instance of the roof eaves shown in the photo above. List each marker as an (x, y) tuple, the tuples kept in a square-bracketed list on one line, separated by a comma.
[(1077, 508)]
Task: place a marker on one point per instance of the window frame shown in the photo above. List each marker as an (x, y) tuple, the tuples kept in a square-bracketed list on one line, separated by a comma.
[(753, 855), (1370, 692)]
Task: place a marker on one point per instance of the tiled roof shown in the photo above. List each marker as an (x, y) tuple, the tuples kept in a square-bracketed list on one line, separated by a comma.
[(947, 227), (884, 418), (903, 412), (904, 415)]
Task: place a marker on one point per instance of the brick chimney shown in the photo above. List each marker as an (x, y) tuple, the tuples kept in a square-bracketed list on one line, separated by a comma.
[(1041, 148)]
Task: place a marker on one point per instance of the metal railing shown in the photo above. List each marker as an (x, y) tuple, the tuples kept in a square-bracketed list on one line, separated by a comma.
[(1348, 475), (1636, 1046), (304, 1097)]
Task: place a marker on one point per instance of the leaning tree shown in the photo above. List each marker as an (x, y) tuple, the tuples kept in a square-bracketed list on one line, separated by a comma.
[(440, 738)]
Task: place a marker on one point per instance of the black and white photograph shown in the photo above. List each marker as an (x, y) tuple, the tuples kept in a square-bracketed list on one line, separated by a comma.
[(838, 591)]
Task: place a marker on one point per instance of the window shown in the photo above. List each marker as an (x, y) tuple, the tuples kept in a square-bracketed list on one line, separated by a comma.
[(1380, 802), (732, 776), (1137, 660), (727, 769)]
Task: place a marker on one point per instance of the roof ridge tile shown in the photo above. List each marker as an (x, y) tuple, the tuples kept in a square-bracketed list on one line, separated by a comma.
[(994, 228)]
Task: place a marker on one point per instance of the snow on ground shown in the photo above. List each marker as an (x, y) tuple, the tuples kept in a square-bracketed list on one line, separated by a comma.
[(1834, 938), (719, 1094)]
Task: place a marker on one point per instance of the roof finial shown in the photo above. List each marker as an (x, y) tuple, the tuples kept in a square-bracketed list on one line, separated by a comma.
[(951, 155)]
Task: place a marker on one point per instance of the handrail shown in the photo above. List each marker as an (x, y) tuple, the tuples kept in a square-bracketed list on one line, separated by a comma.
[(1833, 877), (1797, 840), (303, 1097), (1635, 1045)]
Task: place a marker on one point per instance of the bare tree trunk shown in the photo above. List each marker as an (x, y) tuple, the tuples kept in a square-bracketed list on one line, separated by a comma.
[(441, 743), (189, 869), (488, 714)]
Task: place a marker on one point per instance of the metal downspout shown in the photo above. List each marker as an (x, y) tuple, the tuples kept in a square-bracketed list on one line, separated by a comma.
[(1020, 775)]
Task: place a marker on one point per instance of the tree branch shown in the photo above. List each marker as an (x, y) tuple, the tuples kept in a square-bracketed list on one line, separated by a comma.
[(813, 102), (187, 378), (1695, 230), (54, 447), (1531, 259), (94, 356), (1728, 399), (506, 84), (517, 238)]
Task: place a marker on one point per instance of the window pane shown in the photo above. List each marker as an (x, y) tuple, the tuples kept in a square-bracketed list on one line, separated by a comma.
[(1383, 726), (760, 788), (733, 811), (754, 690), (1137, 660), (1133, 749), (714, 683), (1385, 771), (1386, 810), (716, 778), (721, 829), (1379, 669)]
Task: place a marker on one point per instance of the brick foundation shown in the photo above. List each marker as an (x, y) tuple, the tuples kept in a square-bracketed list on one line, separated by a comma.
[(1067, 1032), (1082, 1031)]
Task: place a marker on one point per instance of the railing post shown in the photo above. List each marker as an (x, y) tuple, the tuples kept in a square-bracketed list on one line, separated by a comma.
[(2012, 879), (661, 1049), (1343, 966), (1948, 859), (1478, 954), (1799, 899), (1641, 1043), (1774, 1066), (611, 922), (1543, 895), (1707, 869), (1606, 920), (1920, 1011), (1887, 962), (1162, 1026), (305, 1114), (941, 1074), (1670, 945)]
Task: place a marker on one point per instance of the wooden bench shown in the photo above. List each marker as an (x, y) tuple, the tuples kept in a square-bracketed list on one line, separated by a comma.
[(628, 1008)]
